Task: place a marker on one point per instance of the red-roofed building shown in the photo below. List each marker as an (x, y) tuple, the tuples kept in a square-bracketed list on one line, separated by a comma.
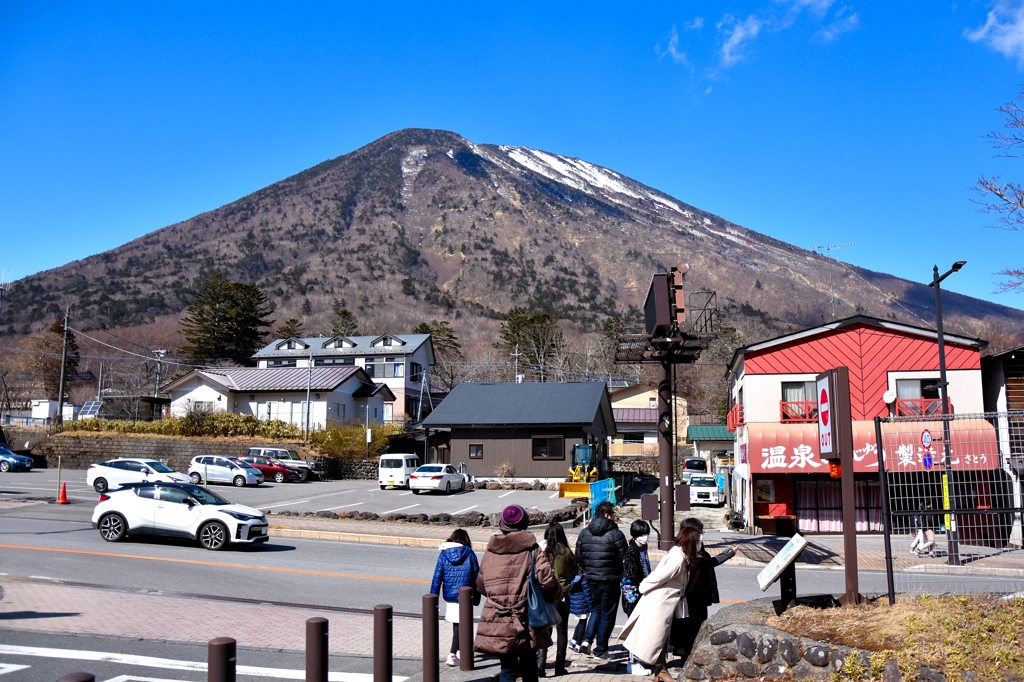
[(779, 479)]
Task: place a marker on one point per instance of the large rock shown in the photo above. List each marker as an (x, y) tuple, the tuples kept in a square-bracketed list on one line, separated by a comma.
[(746, 668), (442, 518), (789, 651), (817, 655), (722, 671), (728, 653), (395, 517), (368, 516), (537, 485), (324, 514), (493, 485), (469, 519), (766, 648), (416, 518), (745, 643), (703, 657), (926, 674), (523, 485), (722, 637)]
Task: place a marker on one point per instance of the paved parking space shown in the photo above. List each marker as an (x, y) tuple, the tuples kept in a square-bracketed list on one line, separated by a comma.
[(307, 496)]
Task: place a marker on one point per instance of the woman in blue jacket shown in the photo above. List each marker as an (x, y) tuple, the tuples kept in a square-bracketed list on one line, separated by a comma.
[(456, 567)]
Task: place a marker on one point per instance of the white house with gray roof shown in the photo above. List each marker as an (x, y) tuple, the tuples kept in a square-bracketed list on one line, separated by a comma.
[(336, 393), (402, 362)]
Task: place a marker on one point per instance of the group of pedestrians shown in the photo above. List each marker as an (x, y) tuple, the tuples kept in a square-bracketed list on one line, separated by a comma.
[(665, 606)]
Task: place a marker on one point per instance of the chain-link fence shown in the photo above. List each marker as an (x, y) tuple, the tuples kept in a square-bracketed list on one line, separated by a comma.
[(952, 502)]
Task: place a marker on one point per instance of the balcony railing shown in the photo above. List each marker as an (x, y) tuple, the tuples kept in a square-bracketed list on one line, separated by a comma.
[(735, 418), (798, 411), (920, 407)]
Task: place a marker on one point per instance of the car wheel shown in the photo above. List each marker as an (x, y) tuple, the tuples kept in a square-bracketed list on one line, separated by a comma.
[(383, 487), (113, 527), (100, 485), (196, 478), (416, 492), (5, 466), (279, 477), (303, 475), (239, 481), (448, 488), (213, 535)]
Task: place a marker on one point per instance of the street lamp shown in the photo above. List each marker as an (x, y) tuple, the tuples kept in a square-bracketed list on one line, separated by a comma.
[(949, 495)]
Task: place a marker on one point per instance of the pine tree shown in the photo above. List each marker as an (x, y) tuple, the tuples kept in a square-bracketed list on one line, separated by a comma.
[(291, 328), (344, 322), (224, 321)]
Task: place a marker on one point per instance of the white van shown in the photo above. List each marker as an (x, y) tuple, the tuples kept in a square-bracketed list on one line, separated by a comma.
[(395, 469)]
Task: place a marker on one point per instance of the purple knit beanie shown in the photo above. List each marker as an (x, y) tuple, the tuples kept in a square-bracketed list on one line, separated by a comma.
[(514, 518)]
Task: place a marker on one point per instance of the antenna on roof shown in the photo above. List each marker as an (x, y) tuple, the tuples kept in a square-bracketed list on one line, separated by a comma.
[(828, 252)]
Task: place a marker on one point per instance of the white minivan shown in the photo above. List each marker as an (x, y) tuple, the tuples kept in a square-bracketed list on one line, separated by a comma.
[(395, 469)]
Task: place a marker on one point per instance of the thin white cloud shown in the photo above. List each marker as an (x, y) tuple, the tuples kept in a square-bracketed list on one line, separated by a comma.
[(818, 7), (1003, 30), (738, 37), (696, 24), (839, 27), (672, 50)]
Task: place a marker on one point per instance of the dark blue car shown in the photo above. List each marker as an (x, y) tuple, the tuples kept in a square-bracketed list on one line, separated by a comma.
[(12, 462)]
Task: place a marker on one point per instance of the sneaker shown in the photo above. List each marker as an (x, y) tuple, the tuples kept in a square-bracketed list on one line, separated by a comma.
[(584, 647), (637, 669), (599, 657), (452, 660)]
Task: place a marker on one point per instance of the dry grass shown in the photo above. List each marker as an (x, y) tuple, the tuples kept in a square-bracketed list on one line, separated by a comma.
[(952, 634)]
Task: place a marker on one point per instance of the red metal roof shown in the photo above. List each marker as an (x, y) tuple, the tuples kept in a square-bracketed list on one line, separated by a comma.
[(633, 415)]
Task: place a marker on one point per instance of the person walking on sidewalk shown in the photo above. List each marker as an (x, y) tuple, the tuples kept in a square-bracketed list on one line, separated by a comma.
[(563, 563), (504, 628), (701, 592), (636, 565), (457, 567), (581, 605), (600, 550), (646, 632)]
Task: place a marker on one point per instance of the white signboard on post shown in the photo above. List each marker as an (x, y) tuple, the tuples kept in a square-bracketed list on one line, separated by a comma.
[(826, 417), (788, 555)]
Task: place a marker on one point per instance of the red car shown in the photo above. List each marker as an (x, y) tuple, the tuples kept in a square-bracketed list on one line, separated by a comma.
[(270, 469)]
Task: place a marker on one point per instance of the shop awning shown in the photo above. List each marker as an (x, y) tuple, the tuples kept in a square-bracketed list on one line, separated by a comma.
[(793, 448)]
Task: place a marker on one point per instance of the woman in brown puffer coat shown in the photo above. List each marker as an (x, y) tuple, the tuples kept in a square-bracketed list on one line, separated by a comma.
[(504, 629)]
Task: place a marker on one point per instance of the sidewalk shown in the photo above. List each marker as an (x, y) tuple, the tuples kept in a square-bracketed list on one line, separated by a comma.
[(46, 607)]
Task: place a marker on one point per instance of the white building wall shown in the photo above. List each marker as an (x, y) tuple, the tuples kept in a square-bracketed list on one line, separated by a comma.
[(762, 394), (195, 391)]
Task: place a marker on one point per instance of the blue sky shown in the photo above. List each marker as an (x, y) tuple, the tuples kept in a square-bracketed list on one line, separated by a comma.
[(809, 120)]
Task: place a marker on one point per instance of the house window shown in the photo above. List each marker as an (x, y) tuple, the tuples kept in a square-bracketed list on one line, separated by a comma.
[(386, 341), (415, 372), (799, 402), (913, 389), (476, 450), (385, 368), (281, 363), (326, 362), (412, 407), (633, 437), (797, 391), (389, 412), (548, 447)]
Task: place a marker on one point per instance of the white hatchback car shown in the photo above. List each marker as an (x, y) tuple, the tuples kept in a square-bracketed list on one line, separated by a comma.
[(179, 510), (437, 477), (216, 469), (704, 490), (115, 472)]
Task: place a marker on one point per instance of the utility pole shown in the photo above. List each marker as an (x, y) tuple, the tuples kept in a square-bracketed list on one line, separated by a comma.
[(368, 436), (309, 382), (515, 363), (828, 250), (63, 366), (160, 354)]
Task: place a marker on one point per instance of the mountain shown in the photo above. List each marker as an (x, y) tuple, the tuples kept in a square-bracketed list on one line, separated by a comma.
[(424, 224)]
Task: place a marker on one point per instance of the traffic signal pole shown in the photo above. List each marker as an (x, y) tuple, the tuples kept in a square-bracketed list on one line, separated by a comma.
[(667, 498)]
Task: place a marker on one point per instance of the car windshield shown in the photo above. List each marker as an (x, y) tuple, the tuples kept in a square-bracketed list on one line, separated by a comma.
[(703, 482), (697, 465), (429, 470), (204, 496), (159, 467), (391, 464), (5, 451), (244, 465)]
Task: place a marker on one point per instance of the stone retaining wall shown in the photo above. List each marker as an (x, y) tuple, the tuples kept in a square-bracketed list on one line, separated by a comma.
[(641, 464)]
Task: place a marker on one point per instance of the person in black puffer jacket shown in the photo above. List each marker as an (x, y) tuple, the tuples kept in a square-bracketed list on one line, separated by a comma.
[(600, 549)]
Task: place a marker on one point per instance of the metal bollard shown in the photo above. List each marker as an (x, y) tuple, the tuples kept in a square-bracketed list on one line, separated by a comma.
[(77, 677), (316, 650), (466, 628), (220, 666), (431, 643), (383, 648)]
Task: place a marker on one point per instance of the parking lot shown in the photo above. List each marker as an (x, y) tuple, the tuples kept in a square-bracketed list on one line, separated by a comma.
[(310, 495)]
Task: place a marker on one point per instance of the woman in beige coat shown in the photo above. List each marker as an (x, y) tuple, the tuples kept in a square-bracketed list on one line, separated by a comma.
[(645, 634)]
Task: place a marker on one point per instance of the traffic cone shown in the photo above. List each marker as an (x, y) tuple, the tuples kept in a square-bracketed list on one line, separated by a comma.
[(63, 499)]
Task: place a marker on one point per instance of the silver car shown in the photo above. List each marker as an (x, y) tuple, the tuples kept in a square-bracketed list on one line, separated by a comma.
[(217, 469)]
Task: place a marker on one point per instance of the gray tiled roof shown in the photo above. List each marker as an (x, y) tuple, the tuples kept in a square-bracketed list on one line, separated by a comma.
[(281, 379), (362, 347), (511, 403)]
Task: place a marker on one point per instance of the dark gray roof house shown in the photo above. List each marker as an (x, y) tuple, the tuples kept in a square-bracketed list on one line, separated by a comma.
[(531, 427)]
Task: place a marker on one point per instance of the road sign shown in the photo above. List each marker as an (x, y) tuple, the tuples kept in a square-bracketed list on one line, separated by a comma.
[(826, 420), (927, 460), (926, 438)]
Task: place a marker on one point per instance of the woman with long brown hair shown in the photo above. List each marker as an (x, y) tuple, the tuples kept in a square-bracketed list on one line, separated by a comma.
[(646, 633)]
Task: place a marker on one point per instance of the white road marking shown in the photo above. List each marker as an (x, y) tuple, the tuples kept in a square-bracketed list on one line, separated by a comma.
[(171, 664), (399, 509), (283, 504), (11, 667), (136, 678), (342, 506), (465, 510), (408, 493), (506, 494), (552, 496)]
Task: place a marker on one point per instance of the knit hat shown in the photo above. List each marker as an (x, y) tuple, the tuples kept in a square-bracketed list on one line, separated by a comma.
[(514, 518)]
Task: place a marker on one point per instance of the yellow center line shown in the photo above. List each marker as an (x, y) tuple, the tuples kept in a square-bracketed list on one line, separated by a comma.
[(213, 563)]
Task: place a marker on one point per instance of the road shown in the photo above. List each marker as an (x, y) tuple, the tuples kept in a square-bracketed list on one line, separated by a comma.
[(306, 496)]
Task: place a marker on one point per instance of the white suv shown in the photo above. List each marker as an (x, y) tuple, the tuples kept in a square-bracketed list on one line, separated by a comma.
[(216, 469), (179, 510), (115, 472), (704, 490)]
